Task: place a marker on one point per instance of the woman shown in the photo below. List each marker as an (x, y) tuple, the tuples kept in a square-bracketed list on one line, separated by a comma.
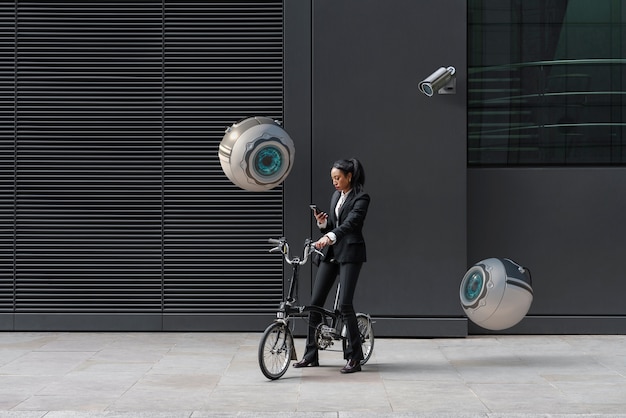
[(344, 255)]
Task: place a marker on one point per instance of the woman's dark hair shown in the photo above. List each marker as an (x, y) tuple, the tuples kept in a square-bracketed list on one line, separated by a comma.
[(355, 167)]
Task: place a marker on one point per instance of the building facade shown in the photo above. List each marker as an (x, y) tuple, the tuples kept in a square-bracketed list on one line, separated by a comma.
[(115, 214)]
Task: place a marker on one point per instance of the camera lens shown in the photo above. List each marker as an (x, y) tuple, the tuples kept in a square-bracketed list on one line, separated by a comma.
[(473, 286), (269, 161)]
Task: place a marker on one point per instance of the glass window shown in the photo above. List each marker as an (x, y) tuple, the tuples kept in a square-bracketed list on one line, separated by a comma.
[(546, 82)]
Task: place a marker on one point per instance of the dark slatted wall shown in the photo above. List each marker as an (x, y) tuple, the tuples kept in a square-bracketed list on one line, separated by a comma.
[(88, 156), (112, 199), (223, 62), (7, 153)]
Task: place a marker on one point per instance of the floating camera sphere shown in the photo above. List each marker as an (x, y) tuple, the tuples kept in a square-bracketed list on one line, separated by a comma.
[(496, 293), (256, 153)]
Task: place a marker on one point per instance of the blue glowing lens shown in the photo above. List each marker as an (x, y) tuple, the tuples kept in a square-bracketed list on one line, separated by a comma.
[(268, 161), (473, 286)]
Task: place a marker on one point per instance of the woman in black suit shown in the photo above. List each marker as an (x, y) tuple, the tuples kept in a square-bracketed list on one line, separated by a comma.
[(344, 255)]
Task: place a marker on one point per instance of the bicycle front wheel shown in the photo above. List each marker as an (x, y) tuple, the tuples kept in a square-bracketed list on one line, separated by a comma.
[(275, 350)]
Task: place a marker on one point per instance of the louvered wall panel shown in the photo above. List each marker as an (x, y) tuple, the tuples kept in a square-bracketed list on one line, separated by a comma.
[(89, 120), (223, 62), (112, 199), (7, 151)]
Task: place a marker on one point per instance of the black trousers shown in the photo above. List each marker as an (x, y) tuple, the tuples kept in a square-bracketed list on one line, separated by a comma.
[(324, 280)]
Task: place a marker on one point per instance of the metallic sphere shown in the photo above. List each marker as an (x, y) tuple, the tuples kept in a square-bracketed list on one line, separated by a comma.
[(256, 153), (496, 293)]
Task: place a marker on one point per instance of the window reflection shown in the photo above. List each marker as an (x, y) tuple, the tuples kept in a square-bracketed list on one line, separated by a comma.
[(546, 82)]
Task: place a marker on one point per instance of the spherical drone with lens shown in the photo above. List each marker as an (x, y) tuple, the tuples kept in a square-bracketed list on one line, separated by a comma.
[(496, 293), (256, 153)]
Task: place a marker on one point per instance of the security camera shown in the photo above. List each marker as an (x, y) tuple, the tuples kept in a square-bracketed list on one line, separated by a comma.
[(442, 81)]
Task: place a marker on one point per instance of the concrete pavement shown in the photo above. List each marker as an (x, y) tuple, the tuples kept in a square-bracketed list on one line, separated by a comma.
[(60, 374)]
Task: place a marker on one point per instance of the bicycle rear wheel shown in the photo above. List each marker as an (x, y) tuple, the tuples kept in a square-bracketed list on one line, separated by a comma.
[(367, 335), (366, 330), (275, 350)]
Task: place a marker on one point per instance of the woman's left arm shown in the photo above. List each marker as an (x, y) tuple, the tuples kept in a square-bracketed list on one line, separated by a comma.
[(356, 217)]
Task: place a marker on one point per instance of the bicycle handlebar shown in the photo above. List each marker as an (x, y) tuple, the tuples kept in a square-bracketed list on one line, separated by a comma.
[(283, 247)]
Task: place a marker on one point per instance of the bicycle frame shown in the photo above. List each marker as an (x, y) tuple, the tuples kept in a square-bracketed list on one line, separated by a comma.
[(288, 307)]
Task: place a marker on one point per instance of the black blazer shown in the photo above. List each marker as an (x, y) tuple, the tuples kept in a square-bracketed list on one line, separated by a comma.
[(348, 228)]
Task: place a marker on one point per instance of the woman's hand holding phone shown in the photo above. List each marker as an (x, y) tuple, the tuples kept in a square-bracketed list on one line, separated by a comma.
[(320, 216)]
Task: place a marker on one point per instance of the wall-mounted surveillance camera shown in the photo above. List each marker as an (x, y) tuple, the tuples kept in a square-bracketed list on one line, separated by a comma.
[(442, 81)]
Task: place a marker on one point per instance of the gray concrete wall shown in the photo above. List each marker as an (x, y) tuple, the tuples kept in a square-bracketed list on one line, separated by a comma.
[(355, 91), (367, 59), (565, 225)]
